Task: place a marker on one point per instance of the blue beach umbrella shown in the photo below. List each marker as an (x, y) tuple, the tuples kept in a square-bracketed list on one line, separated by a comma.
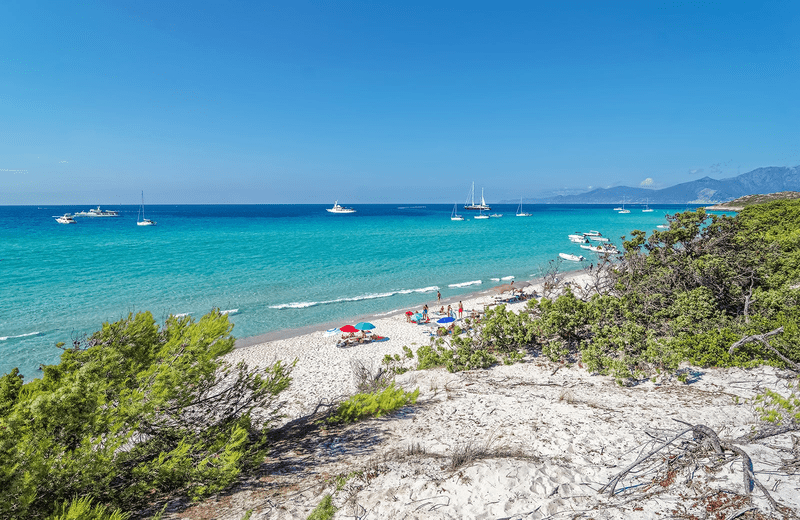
[(417, 317), (446, 319), (364, 326)]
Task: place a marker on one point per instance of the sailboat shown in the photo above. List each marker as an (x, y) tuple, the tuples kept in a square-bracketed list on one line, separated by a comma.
[(454, 215), (140, 220), (647, 208), (470, 203), (623, 210), (521, 213)]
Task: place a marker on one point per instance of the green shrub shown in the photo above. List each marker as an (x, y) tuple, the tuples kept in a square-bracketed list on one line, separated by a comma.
[(778, 409), (83, 509), (362, 406), (130, 415), (324, 510)]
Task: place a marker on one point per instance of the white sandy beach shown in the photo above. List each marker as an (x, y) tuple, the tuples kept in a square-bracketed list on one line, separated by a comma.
[(547, 438)]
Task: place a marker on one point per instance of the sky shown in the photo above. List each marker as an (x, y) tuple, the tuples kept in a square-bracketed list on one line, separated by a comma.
[(244, 102)]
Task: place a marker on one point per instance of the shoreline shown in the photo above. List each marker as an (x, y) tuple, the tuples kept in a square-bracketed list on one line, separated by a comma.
[(296, 332)]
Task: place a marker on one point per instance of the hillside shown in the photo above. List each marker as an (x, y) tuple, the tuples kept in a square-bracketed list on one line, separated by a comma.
[(701, 191), (751, 200)]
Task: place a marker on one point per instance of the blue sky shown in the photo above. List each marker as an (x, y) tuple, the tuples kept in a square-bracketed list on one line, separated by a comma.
[(365, 102)]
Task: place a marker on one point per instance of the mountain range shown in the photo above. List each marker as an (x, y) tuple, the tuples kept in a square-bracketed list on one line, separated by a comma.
[(701, 191)]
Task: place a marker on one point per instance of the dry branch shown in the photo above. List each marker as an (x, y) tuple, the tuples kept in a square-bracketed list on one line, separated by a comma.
[(762, 338)]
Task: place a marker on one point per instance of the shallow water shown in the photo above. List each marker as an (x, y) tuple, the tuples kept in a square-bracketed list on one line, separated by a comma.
[(274, 267)]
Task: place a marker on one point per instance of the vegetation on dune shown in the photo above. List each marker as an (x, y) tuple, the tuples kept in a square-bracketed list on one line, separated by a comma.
[(133, 413), (374, 404), (684, 294)]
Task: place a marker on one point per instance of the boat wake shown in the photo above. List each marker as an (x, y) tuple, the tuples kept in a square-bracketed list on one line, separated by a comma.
[(373, 296), (465, 284), (4, 338)]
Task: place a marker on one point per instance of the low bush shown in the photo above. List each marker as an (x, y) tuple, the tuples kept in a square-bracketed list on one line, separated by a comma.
[(377, 404)]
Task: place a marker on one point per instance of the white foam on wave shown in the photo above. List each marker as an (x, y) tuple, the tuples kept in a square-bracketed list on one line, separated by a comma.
[(181, 315), (230, 311), (465, 284), (4, 338), (494, 279), (372, 296), (507, 278)]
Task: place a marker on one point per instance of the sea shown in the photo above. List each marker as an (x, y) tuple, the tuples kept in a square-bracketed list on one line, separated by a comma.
[(271, 267)]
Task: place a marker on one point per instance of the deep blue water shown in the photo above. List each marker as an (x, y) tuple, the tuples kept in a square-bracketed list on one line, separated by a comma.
[(281, 266)]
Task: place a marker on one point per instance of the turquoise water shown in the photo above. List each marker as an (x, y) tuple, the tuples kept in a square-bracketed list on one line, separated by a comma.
[(281, 266)]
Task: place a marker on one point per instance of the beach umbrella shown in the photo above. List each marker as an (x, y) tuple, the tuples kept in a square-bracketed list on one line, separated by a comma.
[(446, 319), (417, 317), (409, 313), (348, 328), (365, 326), (330, 332)]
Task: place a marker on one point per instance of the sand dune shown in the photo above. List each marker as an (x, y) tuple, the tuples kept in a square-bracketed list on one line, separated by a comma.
[(535, 440)]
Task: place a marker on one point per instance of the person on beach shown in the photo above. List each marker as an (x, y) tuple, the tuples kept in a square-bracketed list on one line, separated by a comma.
[(449, 311), (460, 310), (425, 312), (441, 309), (438, 297)]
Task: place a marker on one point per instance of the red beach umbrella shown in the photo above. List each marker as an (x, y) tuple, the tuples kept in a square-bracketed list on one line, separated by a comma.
[(409, 313), (348, 328)]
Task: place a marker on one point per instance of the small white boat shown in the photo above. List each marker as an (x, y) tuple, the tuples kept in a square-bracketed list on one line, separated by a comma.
[(339, 209), (662, 226), (622, 209), (592, 233), (578, 239), (604, 249), (480, 215), (598, 239), (140, 220), (496, 215), (572, 258), (454, 215), (98, 213), (586, 246), (647, 208), (521, 213), (66, 218)]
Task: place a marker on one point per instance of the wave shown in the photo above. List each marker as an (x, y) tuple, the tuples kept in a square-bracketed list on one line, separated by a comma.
[(373, 296), (507, 278), (465, 284), (181, 315), (494, 279), (4, 338), (230, 311)]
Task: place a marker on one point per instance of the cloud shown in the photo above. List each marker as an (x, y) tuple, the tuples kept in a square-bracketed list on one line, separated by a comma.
[(695, 171), (6, 170), (647, 182), (62, 162)]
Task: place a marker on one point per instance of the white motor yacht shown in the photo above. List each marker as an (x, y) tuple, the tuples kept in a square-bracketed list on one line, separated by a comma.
[(339, 209), (97, 212), (66, 218)]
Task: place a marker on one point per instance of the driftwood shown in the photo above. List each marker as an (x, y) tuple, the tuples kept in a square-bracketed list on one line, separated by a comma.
[(762, 338), (705, 438)]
